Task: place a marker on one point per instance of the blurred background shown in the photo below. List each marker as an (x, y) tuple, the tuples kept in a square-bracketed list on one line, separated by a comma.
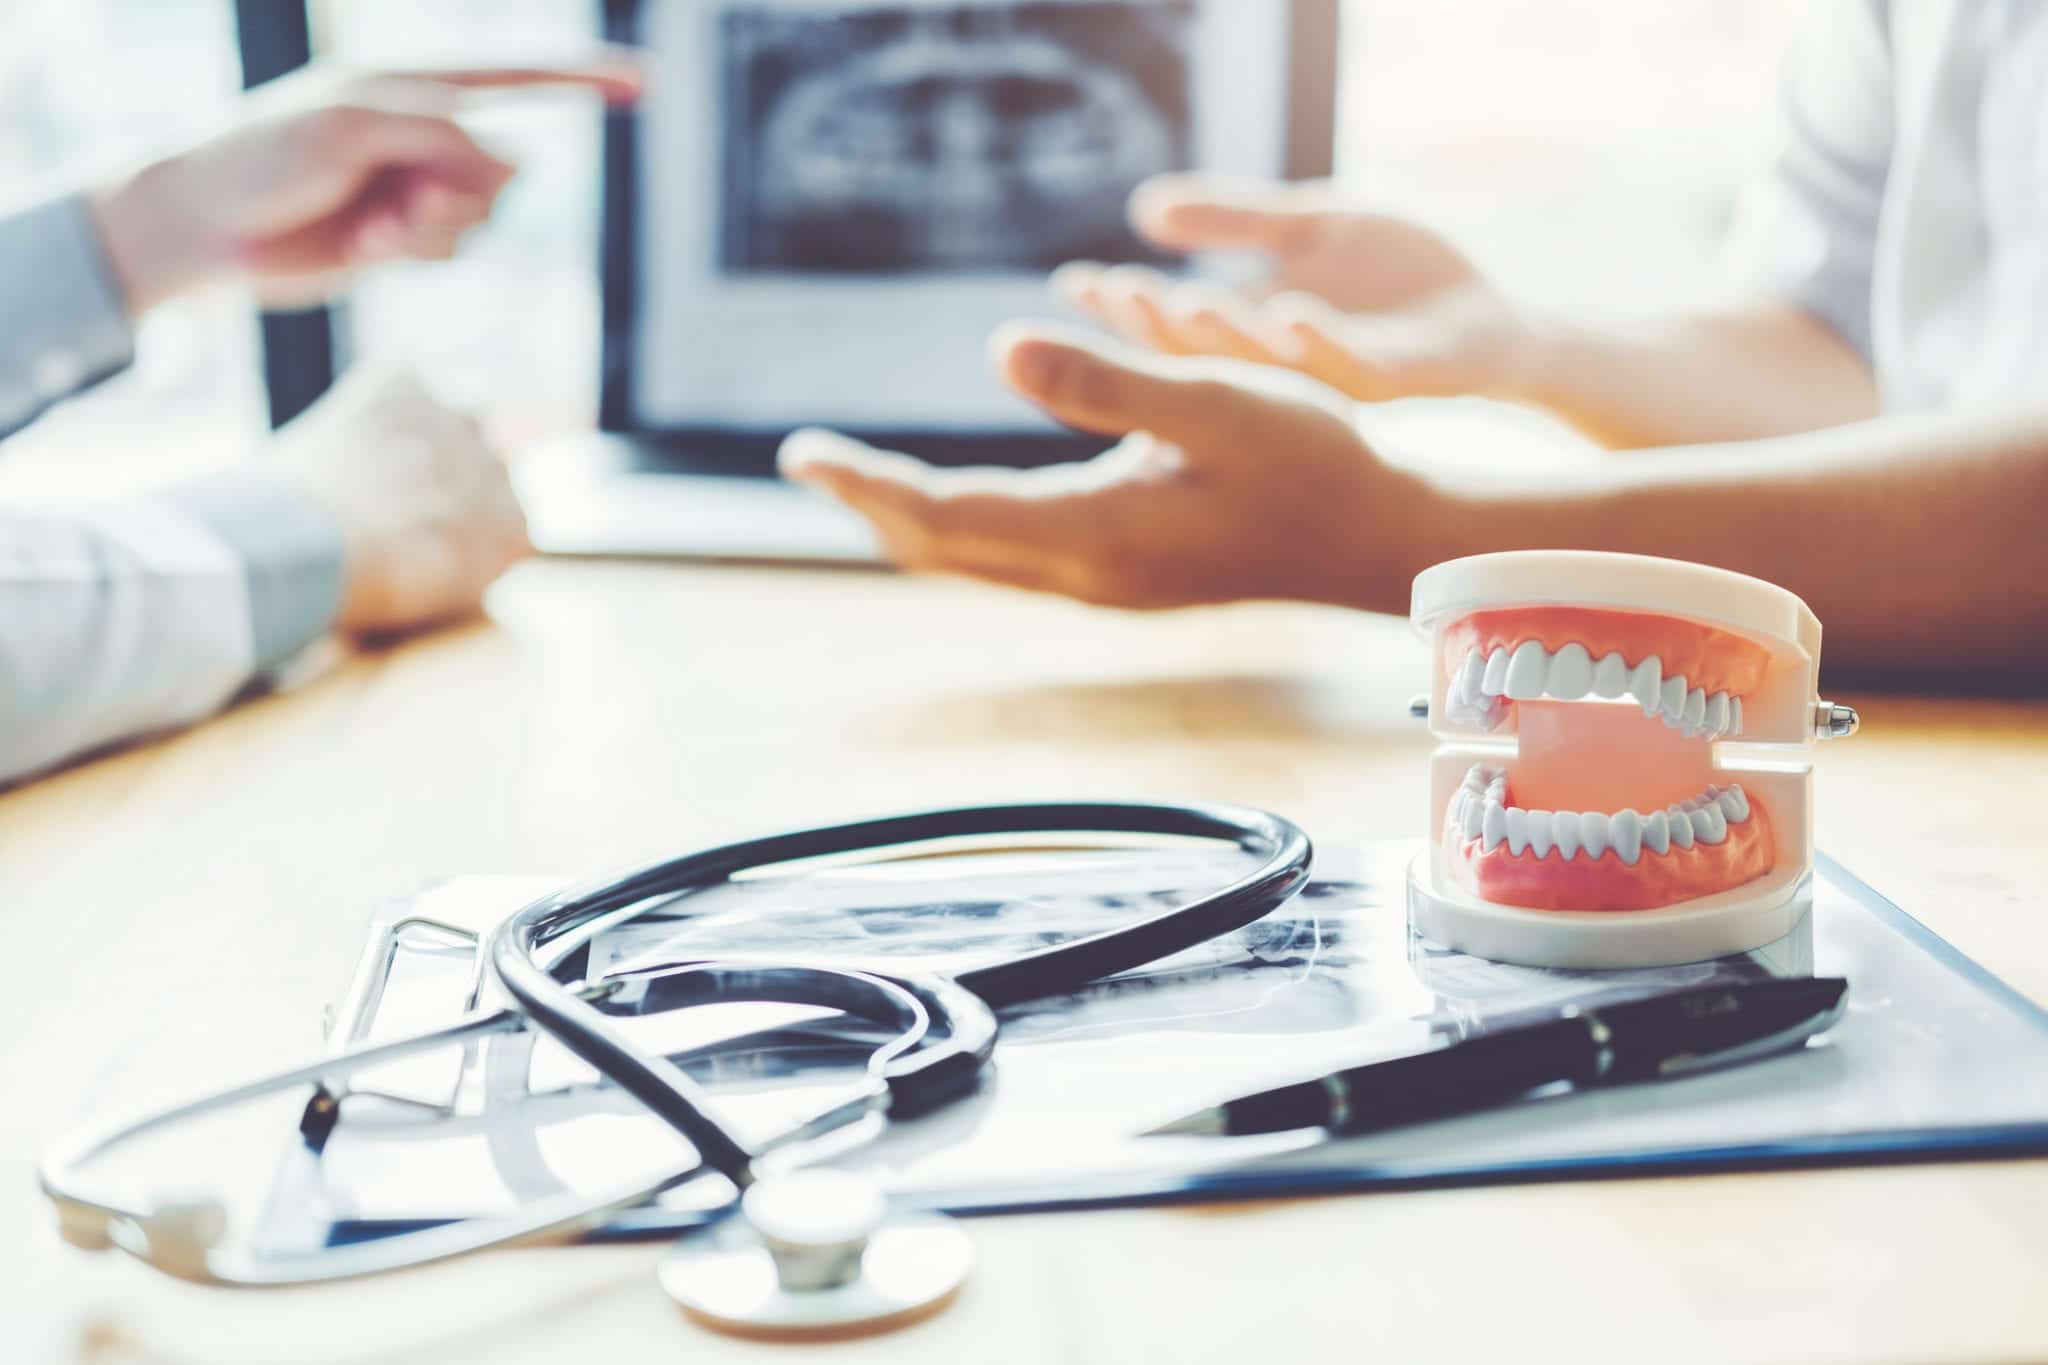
[(1580, 149)]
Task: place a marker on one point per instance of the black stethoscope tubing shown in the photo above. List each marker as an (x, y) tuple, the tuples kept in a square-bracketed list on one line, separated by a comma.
[(526, 946)]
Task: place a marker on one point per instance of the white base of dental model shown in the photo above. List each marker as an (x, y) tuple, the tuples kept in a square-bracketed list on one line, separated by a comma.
[(1732, 922), (1518, 705)]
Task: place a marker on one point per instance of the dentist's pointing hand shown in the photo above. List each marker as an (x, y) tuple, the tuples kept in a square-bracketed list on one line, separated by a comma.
[(1231, 481), (323, 174)]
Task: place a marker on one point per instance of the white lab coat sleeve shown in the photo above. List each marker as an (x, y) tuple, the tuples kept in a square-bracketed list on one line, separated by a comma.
[(63, 325), (1806, 228), (123, 619)]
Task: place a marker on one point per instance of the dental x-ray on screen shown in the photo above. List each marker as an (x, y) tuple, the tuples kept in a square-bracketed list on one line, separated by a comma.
[(835, 202), (946, 138)]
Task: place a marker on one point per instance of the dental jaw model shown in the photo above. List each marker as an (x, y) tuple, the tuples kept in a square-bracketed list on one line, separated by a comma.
[(1623, 773)]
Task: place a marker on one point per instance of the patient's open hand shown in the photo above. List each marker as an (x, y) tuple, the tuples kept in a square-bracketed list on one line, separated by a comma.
[(1231, 481), (1375, 306)]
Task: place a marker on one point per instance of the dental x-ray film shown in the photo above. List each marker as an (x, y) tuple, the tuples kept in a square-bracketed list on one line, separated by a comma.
[(948, 137)]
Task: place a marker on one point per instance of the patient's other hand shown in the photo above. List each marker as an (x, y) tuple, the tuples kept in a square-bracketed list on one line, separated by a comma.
[(1375, 306), (426, 509), (1232, 481)]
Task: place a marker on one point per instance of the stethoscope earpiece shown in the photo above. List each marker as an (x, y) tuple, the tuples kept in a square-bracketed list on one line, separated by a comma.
[(816, 1253)]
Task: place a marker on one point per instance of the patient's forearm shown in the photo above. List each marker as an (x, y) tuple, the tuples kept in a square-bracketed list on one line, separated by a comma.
[(1918, 540), (1768, 370)]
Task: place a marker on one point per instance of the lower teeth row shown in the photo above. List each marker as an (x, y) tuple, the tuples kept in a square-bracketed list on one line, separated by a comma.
[(1480, 811)]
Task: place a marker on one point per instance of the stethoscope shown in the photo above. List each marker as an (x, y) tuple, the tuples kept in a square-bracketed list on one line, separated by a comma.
[(812, 1249)]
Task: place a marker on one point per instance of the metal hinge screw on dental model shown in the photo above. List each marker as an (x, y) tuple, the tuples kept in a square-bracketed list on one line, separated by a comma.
[(1834, 721)]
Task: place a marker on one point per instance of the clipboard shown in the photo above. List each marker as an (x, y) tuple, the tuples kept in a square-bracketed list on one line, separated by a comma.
[(1936, 1058)]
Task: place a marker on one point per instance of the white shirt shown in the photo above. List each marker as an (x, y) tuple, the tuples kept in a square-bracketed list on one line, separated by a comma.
[(120, 618), (1907, 204)]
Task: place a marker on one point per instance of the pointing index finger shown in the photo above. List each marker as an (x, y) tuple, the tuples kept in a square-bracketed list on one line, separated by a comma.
[(617, 74)]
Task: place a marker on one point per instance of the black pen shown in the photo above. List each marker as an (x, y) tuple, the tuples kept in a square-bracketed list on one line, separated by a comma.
[(1661, 1036)]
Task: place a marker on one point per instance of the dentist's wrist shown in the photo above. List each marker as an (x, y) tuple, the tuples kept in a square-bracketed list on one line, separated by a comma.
[(157, 249)]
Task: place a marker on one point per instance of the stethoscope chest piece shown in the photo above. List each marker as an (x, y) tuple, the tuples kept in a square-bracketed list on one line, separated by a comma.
[(816, 1253)]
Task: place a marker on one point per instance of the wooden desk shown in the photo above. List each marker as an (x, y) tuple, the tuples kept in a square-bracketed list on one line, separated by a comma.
[(613, 711)]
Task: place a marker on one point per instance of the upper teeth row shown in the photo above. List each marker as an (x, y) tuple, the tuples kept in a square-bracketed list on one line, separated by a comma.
[(1530, 671), (1479, 810)]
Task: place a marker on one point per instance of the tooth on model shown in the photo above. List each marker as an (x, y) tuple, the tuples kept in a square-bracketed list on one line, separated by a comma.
[(1466, 699), (1571, 673), (1484, 715), (1517, 826), (1493, 825), (1466, 687), (1734, 804), (1610, 677), (1494, 681), (1657, 832), (1528, 668), (1625, 835), (1645, 680), (1671, 699)]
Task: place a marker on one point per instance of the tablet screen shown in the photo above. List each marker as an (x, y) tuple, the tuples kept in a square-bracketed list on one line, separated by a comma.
[(837, 199)]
